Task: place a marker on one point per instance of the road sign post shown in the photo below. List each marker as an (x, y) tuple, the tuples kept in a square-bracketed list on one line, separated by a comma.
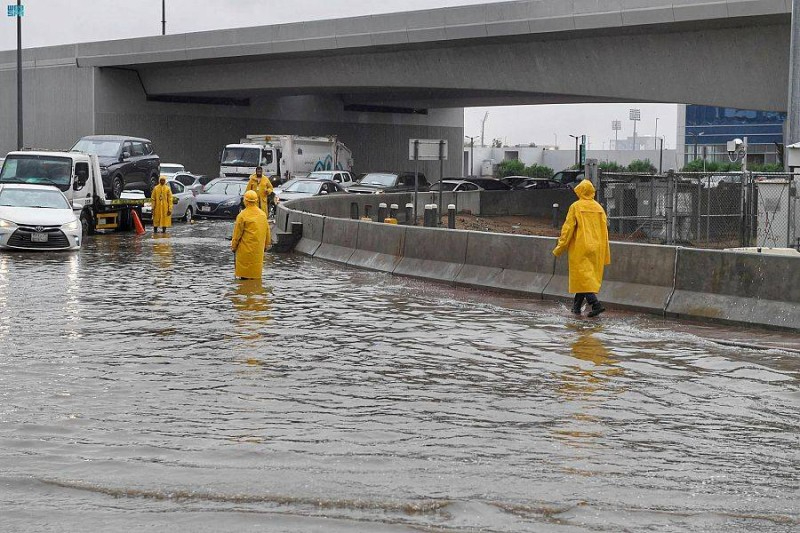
[(426, 150)]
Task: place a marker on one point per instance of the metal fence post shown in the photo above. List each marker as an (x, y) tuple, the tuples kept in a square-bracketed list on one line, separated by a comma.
[(668, 207)]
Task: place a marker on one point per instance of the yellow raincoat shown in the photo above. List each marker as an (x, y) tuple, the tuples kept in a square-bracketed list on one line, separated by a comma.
[(585, 236), (250, 238), (263, 187), (162, 205)]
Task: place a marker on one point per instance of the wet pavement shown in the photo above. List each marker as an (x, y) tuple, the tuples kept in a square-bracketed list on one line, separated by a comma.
[(142, 387)]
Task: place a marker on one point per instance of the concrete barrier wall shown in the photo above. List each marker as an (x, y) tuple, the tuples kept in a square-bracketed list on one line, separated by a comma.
[(707, 284), (339, 240), (737, 287), (433, 253), (378, 246), (509, 263), (537, 203), (313, 226)]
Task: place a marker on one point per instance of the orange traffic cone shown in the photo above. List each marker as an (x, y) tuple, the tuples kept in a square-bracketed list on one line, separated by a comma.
[(137, 224)]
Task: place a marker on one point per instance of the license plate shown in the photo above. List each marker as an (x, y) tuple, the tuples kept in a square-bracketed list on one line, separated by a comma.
[(205, 208), (38, 237)]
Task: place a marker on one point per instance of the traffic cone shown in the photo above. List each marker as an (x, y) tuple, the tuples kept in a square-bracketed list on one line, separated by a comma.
[(137, 224)]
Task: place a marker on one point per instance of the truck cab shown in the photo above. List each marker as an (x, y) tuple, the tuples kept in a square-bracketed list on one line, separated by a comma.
[(241, 160), (78, 176)]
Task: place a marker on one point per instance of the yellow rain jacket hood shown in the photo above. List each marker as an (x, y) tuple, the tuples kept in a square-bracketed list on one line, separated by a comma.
[(585, 237), (263, 187), (251, 237), (161, 199)]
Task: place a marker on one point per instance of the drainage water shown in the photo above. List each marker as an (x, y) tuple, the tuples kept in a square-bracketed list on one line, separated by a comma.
[(141, 386)]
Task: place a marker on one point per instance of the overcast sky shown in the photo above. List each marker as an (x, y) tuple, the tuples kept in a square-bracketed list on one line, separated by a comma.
[(51, 22)]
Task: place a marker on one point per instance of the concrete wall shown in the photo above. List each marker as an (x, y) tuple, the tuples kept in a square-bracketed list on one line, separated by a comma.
[(713, 285), (561, 159), (57, 105)]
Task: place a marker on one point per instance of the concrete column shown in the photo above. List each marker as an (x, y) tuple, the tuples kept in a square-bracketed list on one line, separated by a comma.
[(793, 107)]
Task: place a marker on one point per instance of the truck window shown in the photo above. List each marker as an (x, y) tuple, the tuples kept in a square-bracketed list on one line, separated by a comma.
[(267, 157), (37, 169), (243, 157)]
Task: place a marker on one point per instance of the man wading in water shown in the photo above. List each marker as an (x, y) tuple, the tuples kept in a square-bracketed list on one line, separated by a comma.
[(585, 237)]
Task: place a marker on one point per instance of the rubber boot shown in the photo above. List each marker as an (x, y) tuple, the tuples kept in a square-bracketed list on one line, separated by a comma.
[(597, 308), (577, 304)]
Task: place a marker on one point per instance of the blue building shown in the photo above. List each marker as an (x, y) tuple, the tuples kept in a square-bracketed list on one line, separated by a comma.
[(708, 129)]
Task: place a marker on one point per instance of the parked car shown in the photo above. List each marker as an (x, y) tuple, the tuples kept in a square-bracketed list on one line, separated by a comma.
[(514, 181), (489, 184), (383, 182), (171, 169), (222, 198), (125, 162), (193, 182), (342, 177), (454, 185), (37, 217), (184, 205), (303, 188), (540, 183), (569, 177)]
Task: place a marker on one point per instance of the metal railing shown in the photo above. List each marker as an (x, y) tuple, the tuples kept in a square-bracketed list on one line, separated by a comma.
[(709, 210)]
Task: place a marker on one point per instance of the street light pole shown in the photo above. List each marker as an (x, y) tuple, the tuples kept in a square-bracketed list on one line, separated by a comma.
[(163, 17), (655, 137), (20, 141), (471, 154), (576, 148)]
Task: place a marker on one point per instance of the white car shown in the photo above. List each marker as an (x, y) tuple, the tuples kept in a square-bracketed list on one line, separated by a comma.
[(171, 169), (37, 217), (342, 177)]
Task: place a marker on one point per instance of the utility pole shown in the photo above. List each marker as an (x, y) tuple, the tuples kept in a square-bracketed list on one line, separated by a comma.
[(793, 120), (483, 128), (18, 13), (471, 154), (163, 17), (635, 116)]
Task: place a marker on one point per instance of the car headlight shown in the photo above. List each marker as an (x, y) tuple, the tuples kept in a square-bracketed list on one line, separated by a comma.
[(7, 224), (378, 192), (72, 226)]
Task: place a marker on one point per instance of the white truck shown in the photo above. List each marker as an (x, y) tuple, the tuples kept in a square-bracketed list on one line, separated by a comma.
[(78, 176), (284, 156)]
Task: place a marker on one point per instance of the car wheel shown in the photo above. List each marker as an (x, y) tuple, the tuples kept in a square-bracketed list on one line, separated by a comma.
[(117, 186), (86, 226), (187, 216)]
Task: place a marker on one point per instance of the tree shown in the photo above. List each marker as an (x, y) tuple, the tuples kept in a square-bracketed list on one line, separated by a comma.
[(538, 171), (497, 143), (611, 166), (512, 167), (639, 165)]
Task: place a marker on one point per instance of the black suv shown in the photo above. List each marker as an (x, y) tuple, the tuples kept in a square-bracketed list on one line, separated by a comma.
[(569, 177), (381, 182), (125, 162)]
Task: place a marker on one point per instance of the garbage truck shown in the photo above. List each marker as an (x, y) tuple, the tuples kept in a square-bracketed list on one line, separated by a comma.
[(78, 176), (284, 157)]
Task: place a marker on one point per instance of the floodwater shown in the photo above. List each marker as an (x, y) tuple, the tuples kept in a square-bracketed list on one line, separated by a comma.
[(142, 388)]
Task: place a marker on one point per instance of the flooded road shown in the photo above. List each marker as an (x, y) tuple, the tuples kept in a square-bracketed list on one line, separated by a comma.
[(142, 387)]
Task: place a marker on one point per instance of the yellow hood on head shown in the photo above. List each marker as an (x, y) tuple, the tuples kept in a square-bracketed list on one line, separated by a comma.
[(585, 190)]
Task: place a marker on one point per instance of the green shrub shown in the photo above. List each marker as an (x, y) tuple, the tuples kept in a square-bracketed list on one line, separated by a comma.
[(513, 167), (611, 166), (639, 165), (538, 171)]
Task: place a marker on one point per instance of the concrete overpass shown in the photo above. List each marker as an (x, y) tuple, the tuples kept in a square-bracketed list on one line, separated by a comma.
[(378, 80)]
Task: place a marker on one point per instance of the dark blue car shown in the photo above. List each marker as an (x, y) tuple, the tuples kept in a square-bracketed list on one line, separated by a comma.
[(221, 199)]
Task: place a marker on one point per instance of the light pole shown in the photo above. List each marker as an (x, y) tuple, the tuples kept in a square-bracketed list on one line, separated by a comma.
[(616, 125), (471, 153), (655, 137), (576, 137), (163, 17), (18, 13), (635, 116), (696, 135)]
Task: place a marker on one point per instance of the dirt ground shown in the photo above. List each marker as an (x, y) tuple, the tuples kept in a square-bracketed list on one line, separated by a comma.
[(517, 225)]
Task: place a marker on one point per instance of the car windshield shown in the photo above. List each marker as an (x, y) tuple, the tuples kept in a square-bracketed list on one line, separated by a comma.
[(384, 180), (171, 169), (446, 186), (228, 188), (308, 187), (246, 157), (50, 199), (102, 148), (37, 169)]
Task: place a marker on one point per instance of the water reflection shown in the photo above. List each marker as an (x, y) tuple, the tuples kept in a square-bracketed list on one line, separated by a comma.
[(162, 249), (251, 301)]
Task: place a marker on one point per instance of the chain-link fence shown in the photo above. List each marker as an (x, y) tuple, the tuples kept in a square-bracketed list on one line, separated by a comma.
[(711, 210)]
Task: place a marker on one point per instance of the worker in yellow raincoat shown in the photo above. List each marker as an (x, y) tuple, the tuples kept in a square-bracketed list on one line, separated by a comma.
[(251, 238), (161, 199), (261, 185), (585, 237)]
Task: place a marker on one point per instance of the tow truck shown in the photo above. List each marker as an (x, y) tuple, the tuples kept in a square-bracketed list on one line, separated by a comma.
[(77, 175)]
